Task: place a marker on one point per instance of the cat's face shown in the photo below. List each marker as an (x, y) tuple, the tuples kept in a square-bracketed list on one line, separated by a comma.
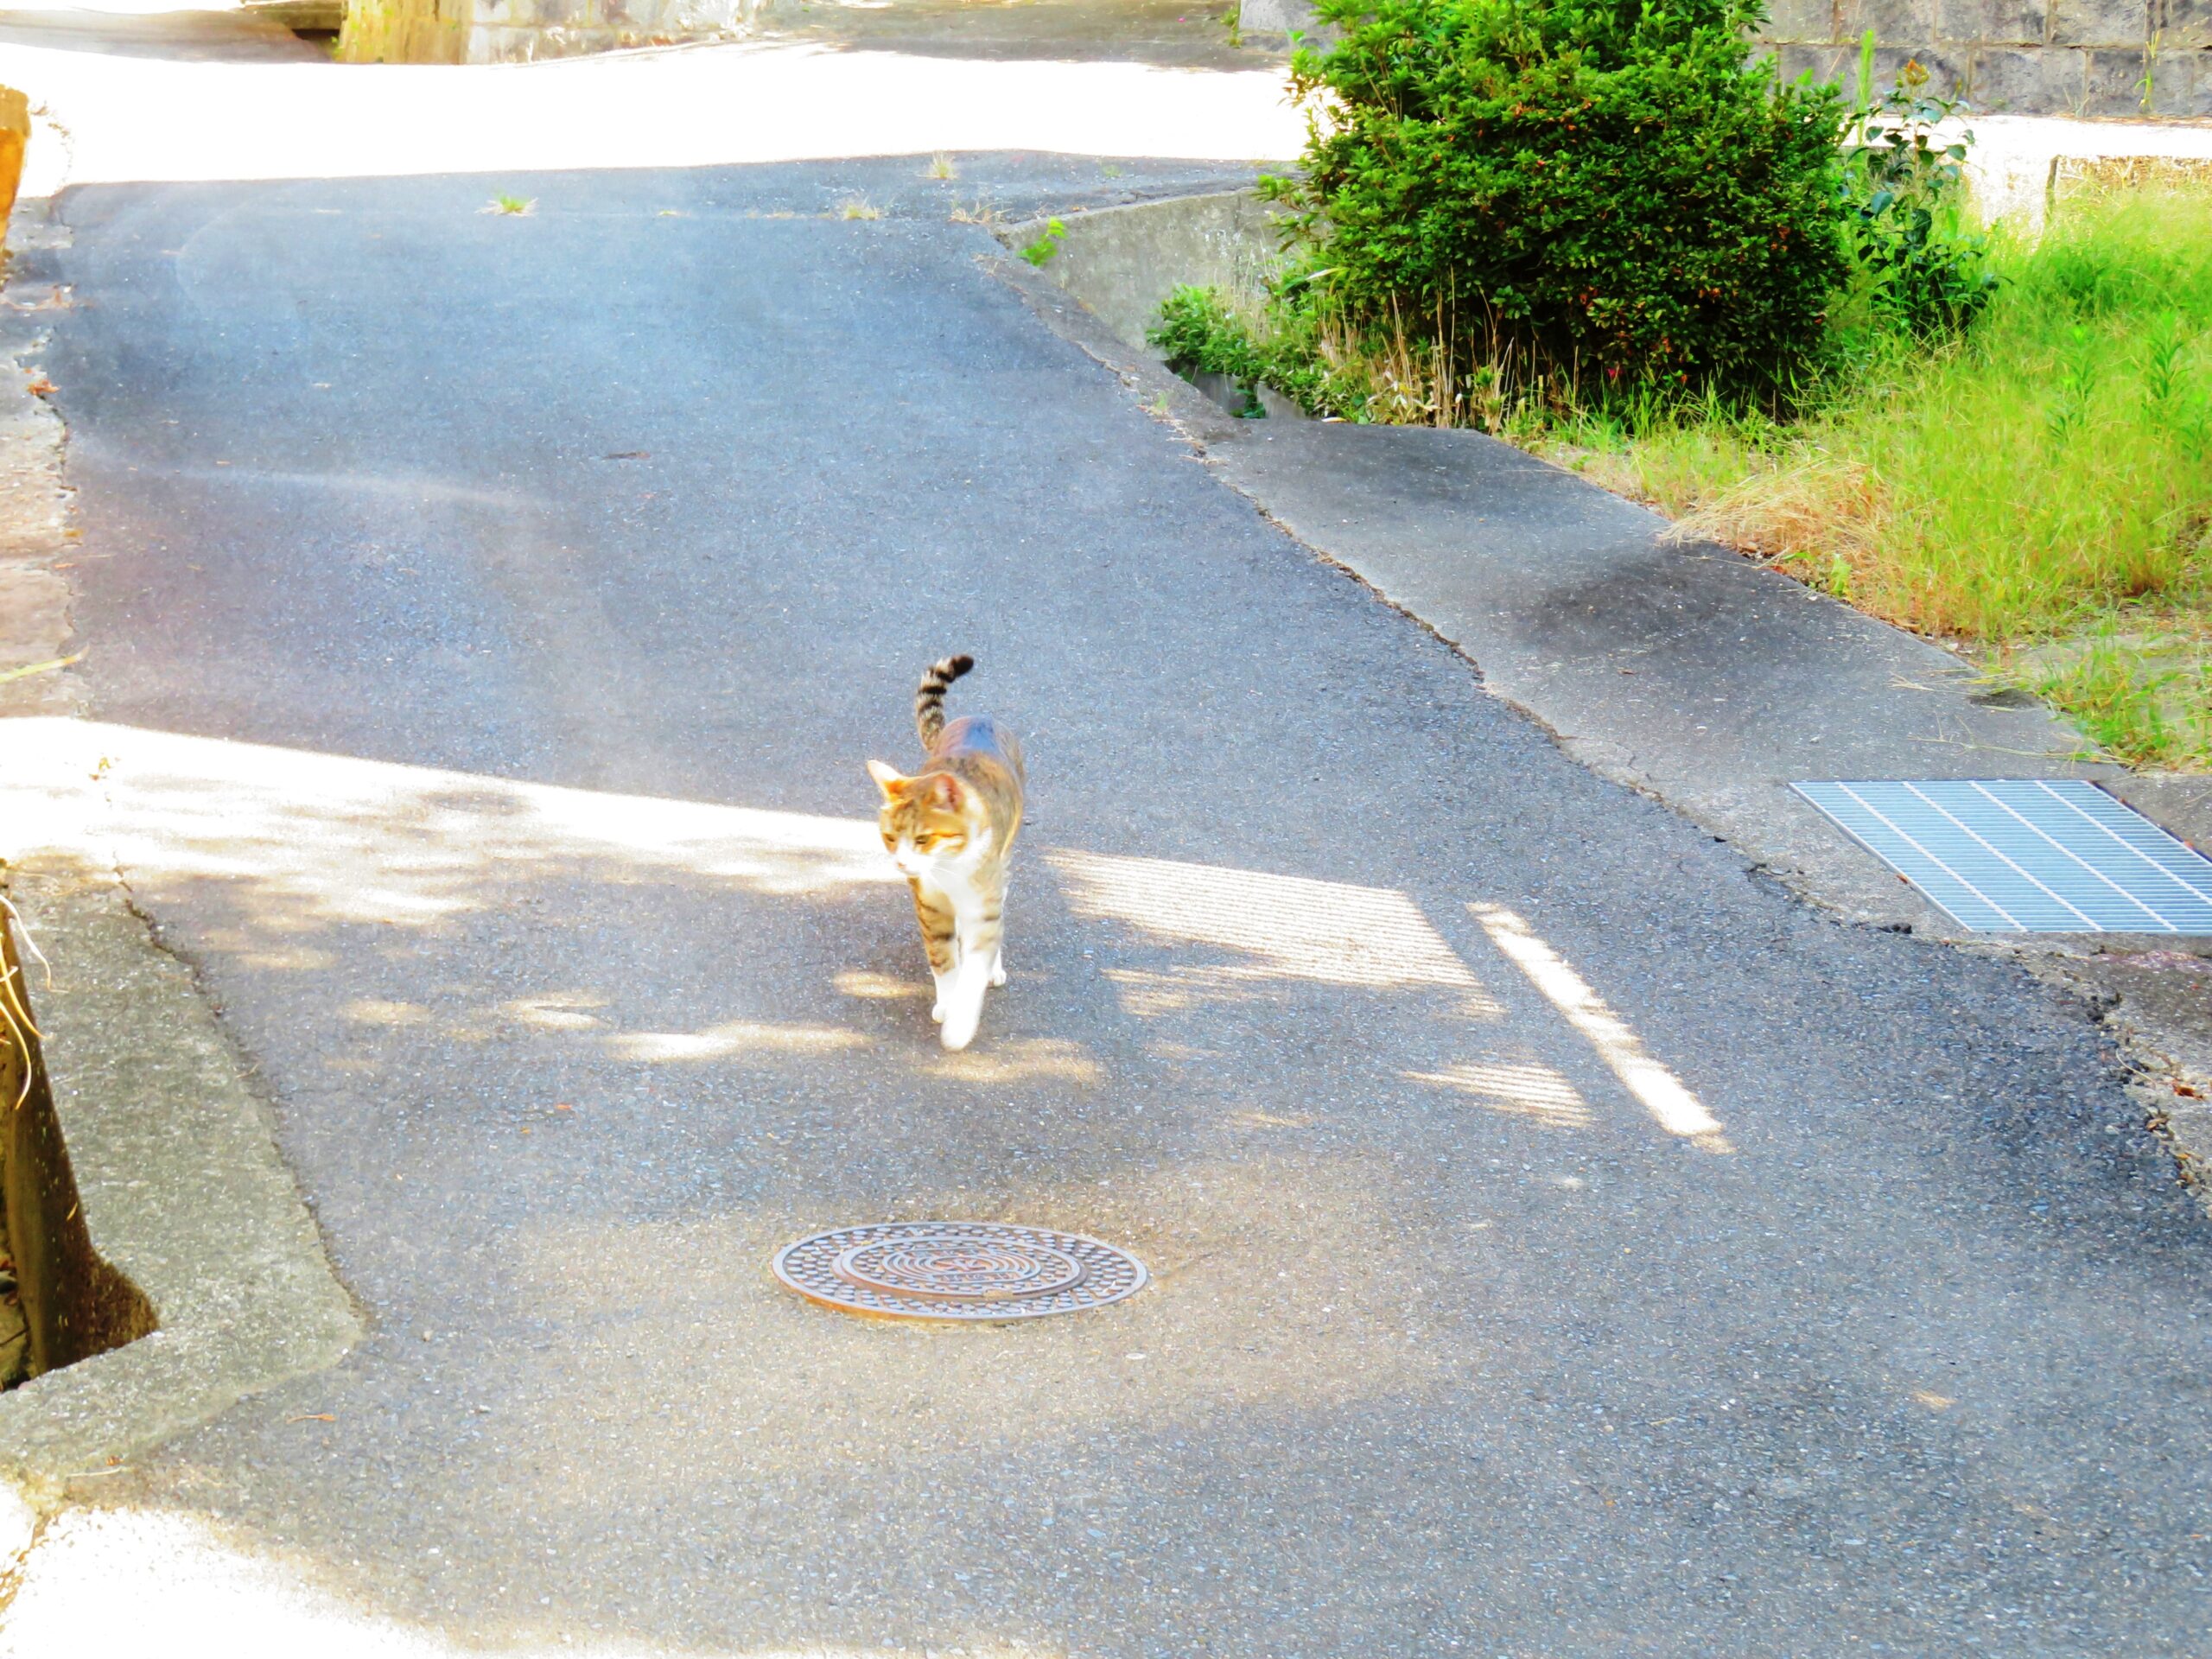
[(929, 823)]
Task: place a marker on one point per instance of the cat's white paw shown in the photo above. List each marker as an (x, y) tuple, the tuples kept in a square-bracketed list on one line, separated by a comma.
[(998, 974), (960, 1028), (937, 1013)]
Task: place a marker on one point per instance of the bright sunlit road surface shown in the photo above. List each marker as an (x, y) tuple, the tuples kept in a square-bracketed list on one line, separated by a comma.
[(1563, 1242), (144, 118)]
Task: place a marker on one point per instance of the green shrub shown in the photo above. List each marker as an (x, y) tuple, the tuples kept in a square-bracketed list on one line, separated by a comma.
[(1604, 193), (1199, 335)]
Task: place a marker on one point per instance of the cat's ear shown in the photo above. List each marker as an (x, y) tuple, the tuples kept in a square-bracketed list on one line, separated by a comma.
[(886, 779), (947, 792)]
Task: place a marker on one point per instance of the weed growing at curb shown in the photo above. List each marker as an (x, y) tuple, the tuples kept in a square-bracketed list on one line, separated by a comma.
[(1042, 249), (858, 207), (518, 207)]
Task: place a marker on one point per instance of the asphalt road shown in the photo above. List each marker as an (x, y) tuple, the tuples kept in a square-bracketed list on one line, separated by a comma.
[(669, 490)]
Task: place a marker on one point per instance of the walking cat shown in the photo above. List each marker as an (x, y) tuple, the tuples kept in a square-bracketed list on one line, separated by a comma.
[(950, 828)]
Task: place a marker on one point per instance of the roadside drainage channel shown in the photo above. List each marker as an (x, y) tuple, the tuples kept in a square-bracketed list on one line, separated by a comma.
[(70, 1302), (1681, 669), (167, 1265), (188, 1270)]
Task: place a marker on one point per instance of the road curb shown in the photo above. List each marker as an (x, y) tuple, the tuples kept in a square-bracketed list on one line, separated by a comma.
[(2169, 1049), (182, 1188), (183, 1192)]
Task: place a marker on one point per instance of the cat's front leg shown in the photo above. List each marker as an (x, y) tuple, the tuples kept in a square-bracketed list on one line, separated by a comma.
[(979, 957), (939, 924)]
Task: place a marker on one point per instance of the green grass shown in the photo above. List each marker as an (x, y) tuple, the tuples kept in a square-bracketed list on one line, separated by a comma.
[(2133, 706), (2040, 490)]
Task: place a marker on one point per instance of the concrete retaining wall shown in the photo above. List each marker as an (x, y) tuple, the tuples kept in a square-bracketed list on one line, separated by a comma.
[(2024, 57), (522, 31), (2033, 57), (1123, 262)]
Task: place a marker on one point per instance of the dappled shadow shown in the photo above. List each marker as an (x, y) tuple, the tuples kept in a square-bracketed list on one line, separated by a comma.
[(612, 1050), (1526, 1089), (317, 839), (307, 849), (1279, 927), (1394, 1165)]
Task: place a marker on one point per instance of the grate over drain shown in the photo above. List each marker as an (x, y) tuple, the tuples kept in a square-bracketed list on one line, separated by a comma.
[(2027, 854), (958, 1270)]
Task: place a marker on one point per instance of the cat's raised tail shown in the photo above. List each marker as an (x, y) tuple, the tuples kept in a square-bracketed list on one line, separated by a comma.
[(929, 701)]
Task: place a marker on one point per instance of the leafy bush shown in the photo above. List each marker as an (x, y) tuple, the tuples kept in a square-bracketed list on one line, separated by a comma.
[(1199, 335), (1198, 332), (1601, 191), (1919, 267)]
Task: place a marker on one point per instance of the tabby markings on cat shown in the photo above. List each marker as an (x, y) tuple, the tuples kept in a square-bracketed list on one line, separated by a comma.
[(950, 828)]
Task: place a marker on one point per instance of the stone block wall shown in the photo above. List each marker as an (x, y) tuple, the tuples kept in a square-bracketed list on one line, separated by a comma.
[(522, 31), (2023, 57), (403, 31)]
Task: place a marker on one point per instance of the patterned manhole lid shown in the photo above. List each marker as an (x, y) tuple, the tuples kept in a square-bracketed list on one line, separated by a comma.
[(958, 1270)]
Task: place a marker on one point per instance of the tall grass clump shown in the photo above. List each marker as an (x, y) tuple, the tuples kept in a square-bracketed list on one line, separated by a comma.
[(2046, 474), (2013, 483)]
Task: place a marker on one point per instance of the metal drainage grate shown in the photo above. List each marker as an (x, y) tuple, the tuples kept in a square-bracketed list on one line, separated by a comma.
[(2027, 854), (958, 1270)]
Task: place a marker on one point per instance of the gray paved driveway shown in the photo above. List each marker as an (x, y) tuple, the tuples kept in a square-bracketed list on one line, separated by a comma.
[(488, 526)]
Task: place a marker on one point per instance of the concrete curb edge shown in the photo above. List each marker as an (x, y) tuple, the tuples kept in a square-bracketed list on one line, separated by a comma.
[(182, 1187)]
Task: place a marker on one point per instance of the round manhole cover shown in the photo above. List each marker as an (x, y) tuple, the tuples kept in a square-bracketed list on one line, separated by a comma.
[(958, 1270)]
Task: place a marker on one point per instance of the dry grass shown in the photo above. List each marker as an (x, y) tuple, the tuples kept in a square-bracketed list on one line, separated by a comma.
[(2041, 491)]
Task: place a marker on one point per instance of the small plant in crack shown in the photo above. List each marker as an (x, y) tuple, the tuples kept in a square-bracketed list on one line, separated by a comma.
[(517, 206), (1043, 248), (858, 207)]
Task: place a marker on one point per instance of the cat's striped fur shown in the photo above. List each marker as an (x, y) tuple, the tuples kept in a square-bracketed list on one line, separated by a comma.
[(950, 829), (928, 700)]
